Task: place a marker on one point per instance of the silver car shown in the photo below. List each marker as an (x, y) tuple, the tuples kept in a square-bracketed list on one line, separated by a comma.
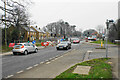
[(64, 45), (24, 48)]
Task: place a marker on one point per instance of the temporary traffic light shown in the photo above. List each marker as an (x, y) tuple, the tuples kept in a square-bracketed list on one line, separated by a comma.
[(28, 39)]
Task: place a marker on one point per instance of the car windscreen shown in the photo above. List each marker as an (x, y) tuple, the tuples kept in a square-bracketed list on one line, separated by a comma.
[(75, 39), (18, 45), (63, 43)]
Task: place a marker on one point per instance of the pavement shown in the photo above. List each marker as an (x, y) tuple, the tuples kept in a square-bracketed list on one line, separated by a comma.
[(52, 68)]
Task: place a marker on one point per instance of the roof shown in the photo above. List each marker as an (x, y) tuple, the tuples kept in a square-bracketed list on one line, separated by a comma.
[(43, 31), (27, 29), (38, 30)]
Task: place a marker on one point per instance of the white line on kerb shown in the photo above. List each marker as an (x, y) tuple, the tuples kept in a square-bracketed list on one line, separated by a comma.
[(29, 68), (20, 71), (9, 76), (35, 65)]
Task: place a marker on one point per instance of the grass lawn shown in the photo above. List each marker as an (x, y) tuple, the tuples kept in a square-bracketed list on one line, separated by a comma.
[(99, 69), (99, 42)]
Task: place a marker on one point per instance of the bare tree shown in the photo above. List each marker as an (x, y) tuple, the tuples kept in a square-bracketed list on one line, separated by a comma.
[(16, 13)]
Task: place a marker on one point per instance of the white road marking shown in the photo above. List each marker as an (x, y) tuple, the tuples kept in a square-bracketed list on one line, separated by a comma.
[(50, 58), (41, 62), (47, 62), (35, 65), (53, 60), (89, 51), (56, 58), (61, 56), (28, 68), (9, 76), (20, 71)]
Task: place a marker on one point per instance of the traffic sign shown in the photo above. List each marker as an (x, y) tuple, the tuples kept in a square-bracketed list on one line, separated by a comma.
[(34, 42)]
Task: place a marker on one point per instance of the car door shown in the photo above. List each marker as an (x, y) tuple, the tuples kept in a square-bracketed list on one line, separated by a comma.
[(28, 47), (32, 47)]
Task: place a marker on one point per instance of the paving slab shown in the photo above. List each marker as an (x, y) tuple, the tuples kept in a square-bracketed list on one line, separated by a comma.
[(82, 70)]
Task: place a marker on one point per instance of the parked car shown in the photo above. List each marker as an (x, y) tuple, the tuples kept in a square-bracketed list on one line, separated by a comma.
[(75, 40), (24, 48), (64, 45)]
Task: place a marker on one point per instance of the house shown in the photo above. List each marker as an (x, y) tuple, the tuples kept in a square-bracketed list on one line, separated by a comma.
[(44, 34), (30, 34), (39, 32)]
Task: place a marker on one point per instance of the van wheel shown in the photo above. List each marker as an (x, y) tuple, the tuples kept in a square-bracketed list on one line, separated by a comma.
[(26, 52)]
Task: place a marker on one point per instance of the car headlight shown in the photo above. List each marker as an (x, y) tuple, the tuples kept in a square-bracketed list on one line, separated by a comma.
[(57, 46), (65, 45)]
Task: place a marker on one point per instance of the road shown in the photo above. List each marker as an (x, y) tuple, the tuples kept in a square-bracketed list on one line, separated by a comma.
[(14, 63), (11, 64)]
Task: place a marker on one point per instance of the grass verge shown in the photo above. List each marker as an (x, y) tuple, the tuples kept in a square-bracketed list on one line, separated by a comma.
[(6, 49), (100, 69), (99, 42)]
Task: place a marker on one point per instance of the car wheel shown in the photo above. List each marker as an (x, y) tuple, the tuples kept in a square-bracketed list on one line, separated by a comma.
[(70, 47), (25, 52), (36, 50), (14, 53), (67, 48), (57, 48)]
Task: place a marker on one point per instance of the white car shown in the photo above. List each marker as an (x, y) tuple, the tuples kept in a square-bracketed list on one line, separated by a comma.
[(24, 48)]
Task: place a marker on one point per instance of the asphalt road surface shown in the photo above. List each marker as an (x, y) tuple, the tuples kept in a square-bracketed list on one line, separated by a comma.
[(14, 63)]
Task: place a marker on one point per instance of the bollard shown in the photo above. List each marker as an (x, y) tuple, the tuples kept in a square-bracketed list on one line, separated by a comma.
[(101, 44)]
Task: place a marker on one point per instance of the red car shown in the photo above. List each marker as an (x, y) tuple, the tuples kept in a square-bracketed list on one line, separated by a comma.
[(76, 40)]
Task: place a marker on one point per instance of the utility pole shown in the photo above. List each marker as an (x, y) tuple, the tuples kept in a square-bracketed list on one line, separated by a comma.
[(5, 22), (107, 24)]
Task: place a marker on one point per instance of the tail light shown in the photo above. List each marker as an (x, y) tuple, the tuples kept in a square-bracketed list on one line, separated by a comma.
[(22, 46)]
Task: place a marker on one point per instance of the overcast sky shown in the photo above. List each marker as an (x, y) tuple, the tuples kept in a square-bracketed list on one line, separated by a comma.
[(85, 14)]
